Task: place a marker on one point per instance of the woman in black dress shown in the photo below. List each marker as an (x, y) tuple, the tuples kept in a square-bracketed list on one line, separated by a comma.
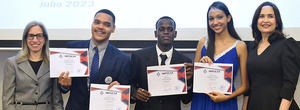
[(272, 66)]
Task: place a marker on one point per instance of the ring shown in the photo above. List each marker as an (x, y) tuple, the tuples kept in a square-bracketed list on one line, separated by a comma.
[(142, 90)]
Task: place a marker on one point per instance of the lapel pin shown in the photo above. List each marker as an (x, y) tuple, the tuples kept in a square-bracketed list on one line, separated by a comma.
[(108, 79)]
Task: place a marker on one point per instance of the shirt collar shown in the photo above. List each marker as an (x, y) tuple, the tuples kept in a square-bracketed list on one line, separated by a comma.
[(168, 53), (100, 47)]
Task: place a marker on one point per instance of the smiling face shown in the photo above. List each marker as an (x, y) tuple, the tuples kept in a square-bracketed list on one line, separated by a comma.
[(165, 32), (102, 27), (35, 39), (266, 22), (218, 20)]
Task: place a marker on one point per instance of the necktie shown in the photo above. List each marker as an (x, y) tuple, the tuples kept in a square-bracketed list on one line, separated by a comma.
[(95, 66), (163, 59)]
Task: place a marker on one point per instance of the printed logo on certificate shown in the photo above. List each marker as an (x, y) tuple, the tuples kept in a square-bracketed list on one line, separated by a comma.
[(213, 77), (166, 80), (116, 98), (66, 59)]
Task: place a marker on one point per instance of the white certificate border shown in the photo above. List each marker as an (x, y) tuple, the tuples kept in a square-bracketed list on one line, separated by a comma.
[(206, 65)]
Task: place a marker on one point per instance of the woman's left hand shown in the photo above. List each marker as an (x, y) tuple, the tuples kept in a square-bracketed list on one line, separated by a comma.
[(217, 96)]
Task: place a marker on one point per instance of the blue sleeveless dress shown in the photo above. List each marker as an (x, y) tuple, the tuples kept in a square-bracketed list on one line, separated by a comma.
[(202, 101)]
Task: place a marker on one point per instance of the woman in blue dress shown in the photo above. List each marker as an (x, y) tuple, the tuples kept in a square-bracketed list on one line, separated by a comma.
[(222, 45)]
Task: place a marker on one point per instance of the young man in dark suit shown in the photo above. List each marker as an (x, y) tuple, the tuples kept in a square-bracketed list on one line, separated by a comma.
[(165, 33), (112, 65)]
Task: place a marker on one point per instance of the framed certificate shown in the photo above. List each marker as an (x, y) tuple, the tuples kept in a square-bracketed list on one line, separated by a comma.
[(65, 59), (116, 98), (213, 77), (167, 80)]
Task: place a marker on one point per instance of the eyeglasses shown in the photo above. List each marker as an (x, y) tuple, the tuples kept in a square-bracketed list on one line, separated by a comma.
[(39, 36)]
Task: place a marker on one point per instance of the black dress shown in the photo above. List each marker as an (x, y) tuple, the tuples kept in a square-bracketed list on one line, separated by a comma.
[(273, 75)]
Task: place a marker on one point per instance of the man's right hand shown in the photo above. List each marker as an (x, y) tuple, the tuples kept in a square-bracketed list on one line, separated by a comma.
[(189, 70), (64, 79), (142, 94)]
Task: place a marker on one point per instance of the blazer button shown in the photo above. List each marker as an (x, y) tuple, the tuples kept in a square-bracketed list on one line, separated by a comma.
[(36, 93), (37, 84)]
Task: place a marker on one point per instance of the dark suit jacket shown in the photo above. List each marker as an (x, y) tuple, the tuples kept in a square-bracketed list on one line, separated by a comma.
[(114, 63), (139, 62)]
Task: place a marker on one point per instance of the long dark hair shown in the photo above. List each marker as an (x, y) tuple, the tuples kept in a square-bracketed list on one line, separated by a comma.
[(277, 34), (211, 34)]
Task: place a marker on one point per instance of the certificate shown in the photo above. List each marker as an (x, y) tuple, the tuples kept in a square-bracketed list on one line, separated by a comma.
[(65, 59), (213, 77), (166, 80), (116, 98)]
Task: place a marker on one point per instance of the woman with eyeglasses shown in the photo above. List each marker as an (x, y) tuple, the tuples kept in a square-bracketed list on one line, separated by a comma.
[(26, 83)]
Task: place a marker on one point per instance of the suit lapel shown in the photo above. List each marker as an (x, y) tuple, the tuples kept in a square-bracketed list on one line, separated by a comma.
[(105, 64), (175, 58), (44, 69), (152, 56), (27, 69)]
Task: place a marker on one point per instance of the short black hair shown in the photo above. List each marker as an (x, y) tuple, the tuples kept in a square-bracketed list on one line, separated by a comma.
[(165, 17), (106, 11)]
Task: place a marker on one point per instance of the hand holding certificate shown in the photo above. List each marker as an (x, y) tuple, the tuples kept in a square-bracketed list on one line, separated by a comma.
[(213, 77), (116, 98), (166, 80), (73, 60)]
